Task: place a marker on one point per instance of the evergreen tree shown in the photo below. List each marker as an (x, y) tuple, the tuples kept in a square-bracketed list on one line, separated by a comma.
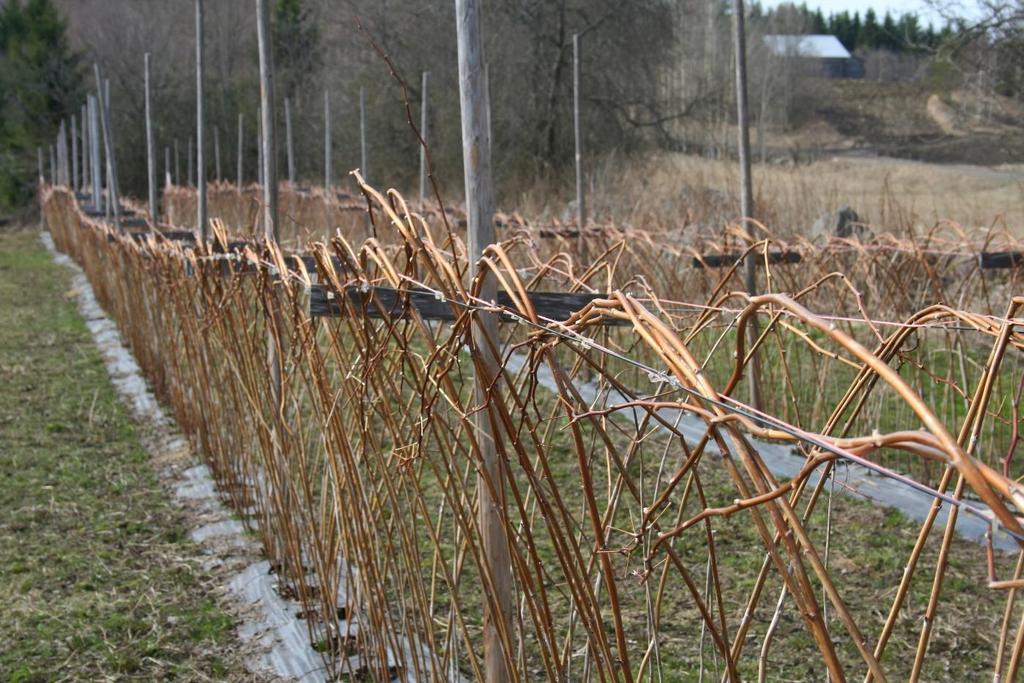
[(818, 22), (40, 77), (868, 37), (889, 38)]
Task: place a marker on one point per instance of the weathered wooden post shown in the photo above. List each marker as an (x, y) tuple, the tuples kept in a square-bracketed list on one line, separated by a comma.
[(327, 141), (150, 148), (94, 152), (75, 185), (108, 144), (288, 140), (424, 121), (241, 144), (476, 158), (201, 221), (581, 210), (746, 187), (364, 166), (216, 153), (53, 165)]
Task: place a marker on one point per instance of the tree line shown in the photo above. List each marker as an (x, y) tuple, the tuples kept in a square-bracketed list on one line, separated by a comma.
[(902, 34)]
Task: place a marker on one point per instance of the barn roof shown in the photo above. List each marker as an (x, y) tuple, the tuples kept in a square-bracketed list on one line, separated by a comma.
[(815, 46)]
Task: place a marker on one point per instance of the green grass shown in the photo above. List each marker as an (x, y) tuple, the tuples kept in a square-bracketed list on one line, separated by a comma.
[(98, 579)]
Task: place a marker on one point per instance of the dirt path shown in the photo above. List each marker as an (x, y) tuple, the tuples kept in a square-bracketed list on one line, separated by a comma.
[(99, 577)]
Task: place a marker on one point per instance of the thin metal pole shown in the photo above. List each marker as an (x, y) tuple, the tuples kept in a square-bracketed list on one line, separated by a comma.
[(327, 140), (190, 166), (94, 152), (424, 121), (241, 144), (75, 185), (108, 143), (479, 188), (288, 140), (177, 164), (364, 166), (53, 165), (581, 208), (167, 167), (39, 161), (746, 186), (201, 221), (150, 144)]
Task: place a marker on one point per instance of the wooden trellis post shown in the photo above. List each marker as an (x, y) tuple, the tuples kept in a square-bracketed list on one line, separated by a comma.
[(108, 130), (476, 157), (259, 147), (108, 143), (150, 145), (202, 223), (581, 211), (290, 149), (746, 187), (62, 153), (86, 182), (424, 122), (364, 161), (74, 153), (94, 153), (216, 153), (327, 140), (241, 144)]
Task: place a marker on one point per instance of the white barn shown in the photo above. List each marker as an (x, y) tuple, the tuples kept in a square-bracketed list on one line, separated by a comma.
[(818, 55)]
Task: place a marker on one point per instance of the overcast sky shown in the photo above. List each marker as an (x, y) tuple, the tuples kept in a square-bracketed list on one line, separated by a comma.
[(962, 7)]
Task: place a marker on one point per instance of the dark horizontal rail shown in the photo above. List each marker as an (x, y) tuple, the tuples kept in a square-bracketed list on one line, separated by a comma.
[(730, 259), (1001, 259), (381, 302)]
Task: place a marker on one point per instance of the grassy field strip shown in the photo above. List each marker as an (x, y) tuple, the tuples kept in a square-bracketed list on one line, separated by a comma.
[(269, 621), (853, 479)]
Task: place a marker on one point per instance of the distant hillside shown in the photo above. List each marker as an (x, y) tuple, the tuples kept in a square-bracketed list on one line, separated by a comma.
[(911, 120)]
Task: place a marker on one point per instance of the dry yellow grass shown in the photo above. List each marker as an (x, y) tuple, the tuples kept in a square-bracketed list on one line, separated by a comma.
[(890, 194)]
